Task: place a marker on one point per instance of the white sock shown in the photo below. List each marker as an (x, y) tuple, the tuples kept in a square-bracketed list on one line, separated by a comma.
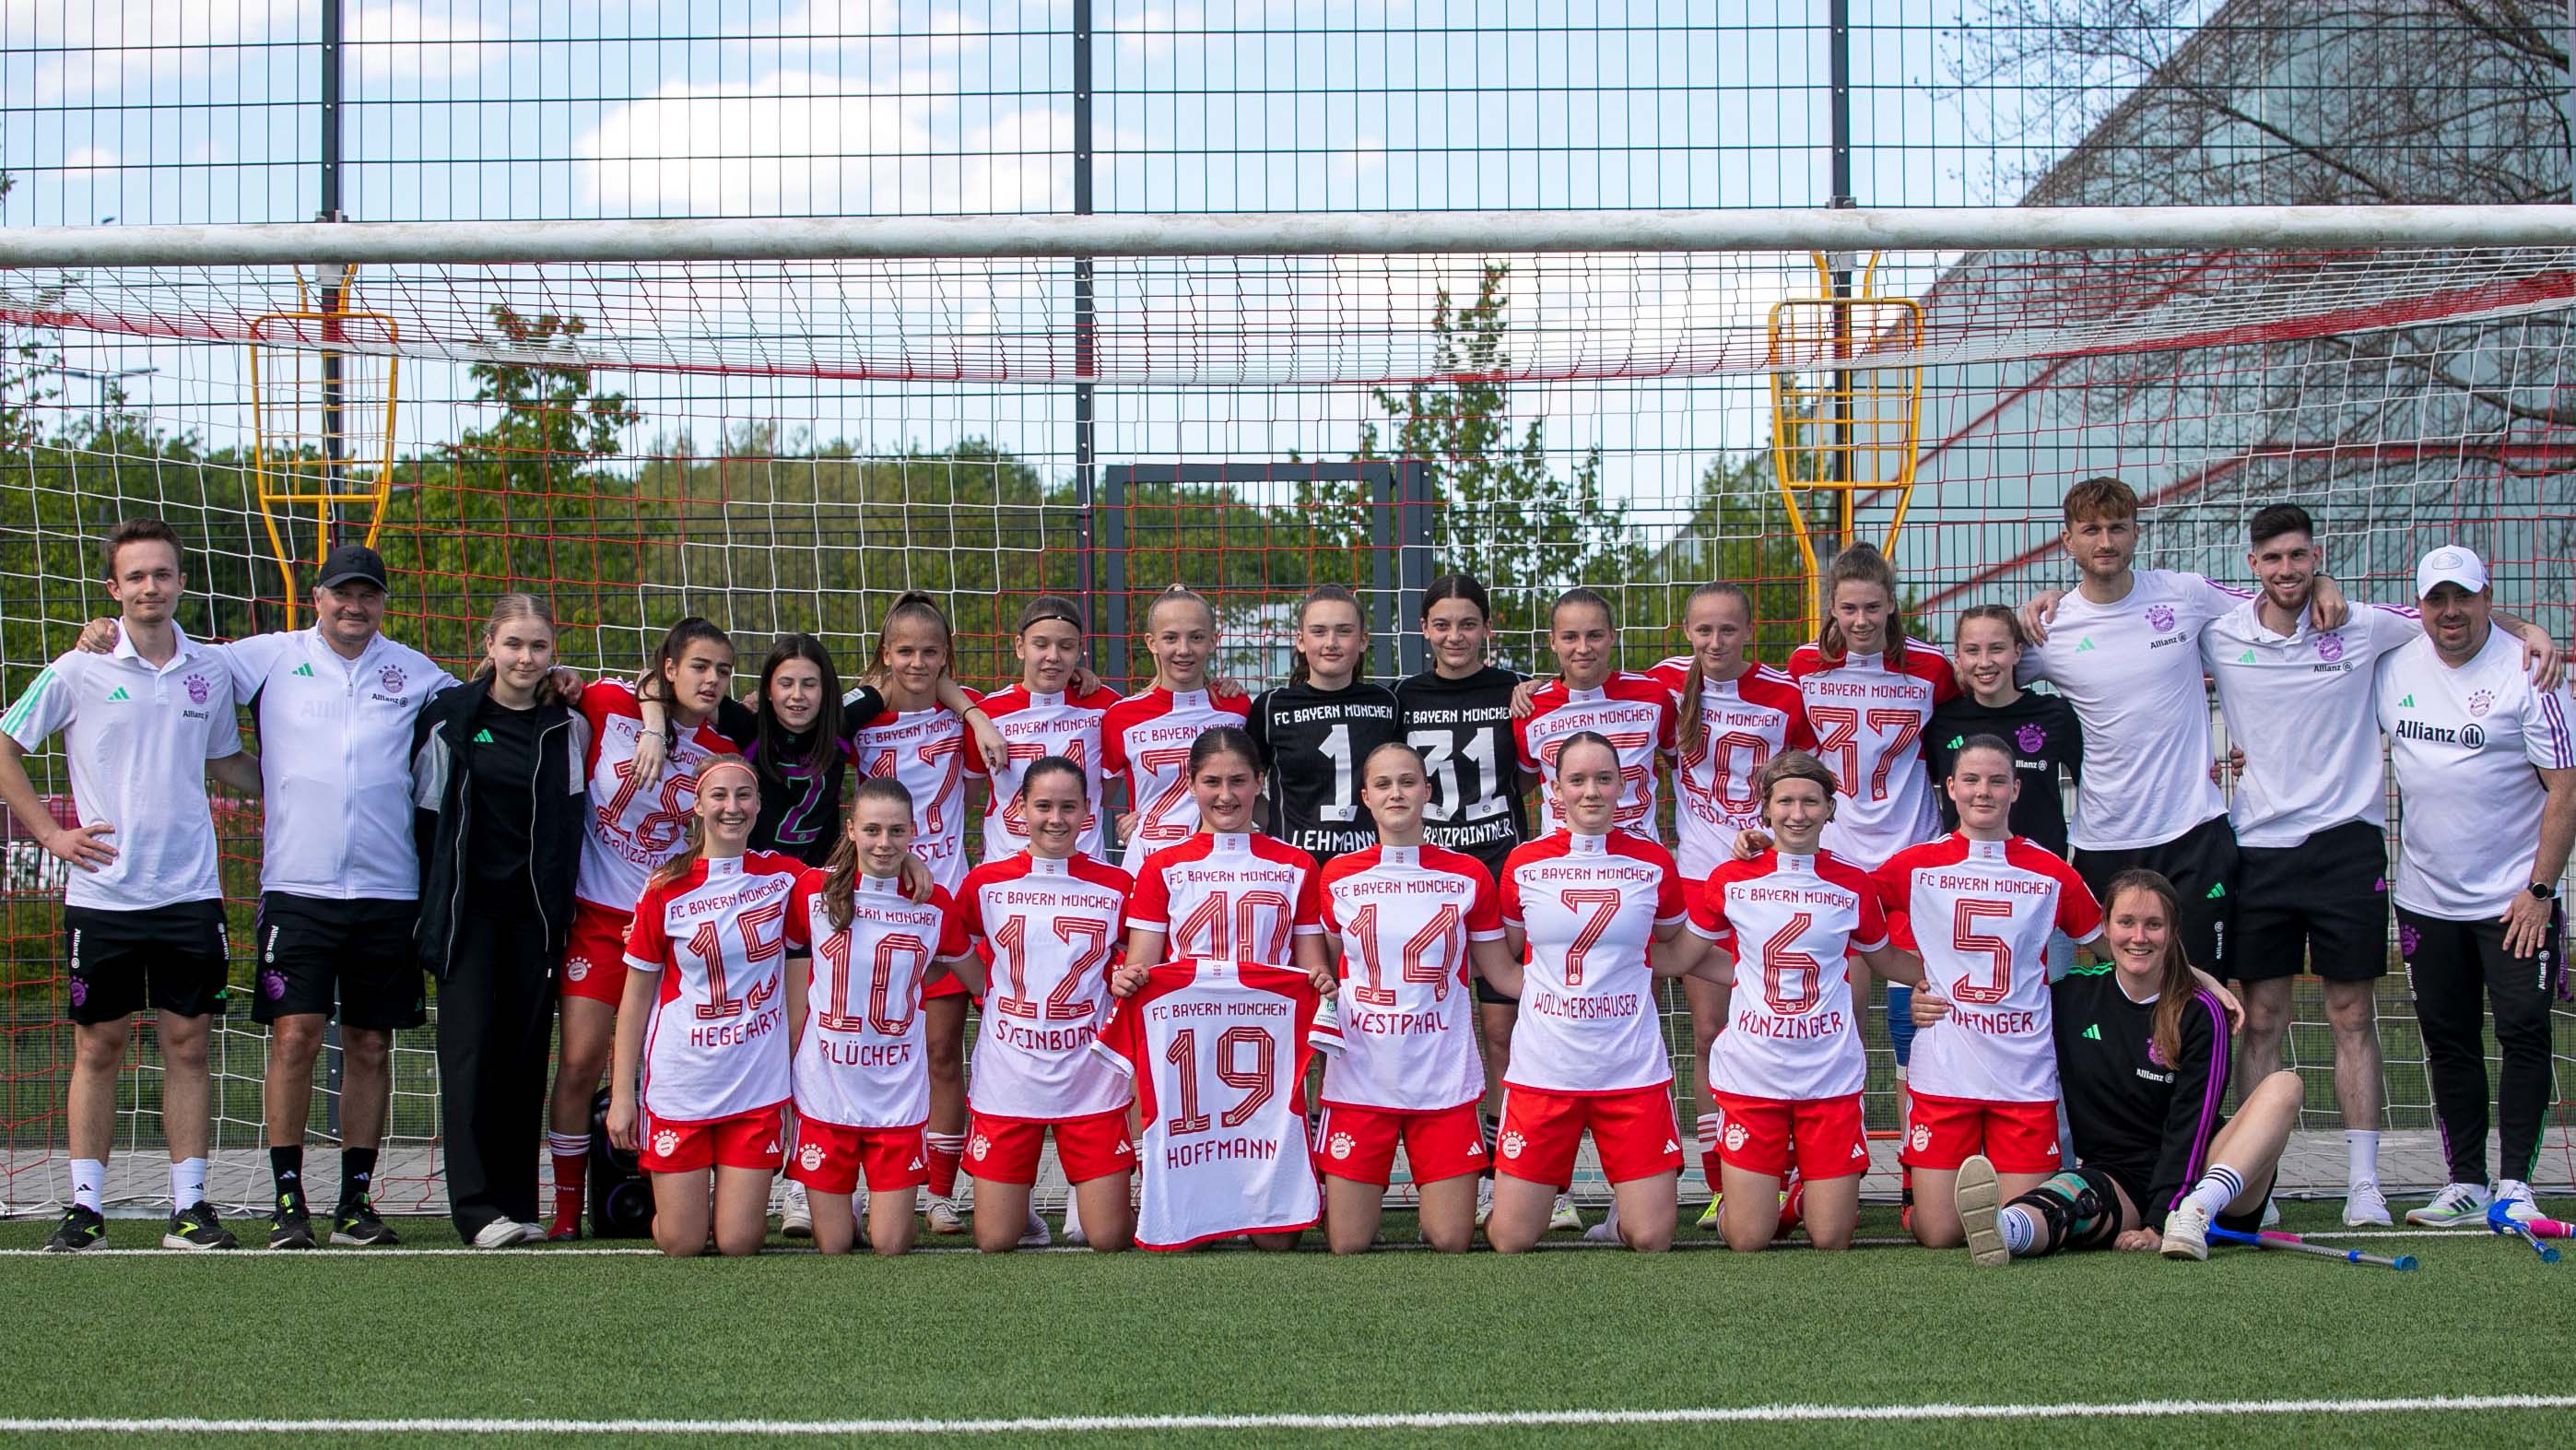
[(2361, 1156), (89, 1181), (187, 1183), (2019, 1230), (2217, 1189), (568, 1145), (1072, 1215)]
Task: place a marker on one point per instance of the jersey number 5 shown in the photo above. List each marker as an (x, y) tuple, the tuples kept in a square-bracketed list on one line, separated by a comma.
[(1968, 941)]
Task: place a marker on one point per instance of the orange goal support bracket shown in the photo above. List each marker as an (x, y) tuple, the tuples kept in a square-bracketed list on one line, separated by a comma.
[(1839, 424), (322, 402)]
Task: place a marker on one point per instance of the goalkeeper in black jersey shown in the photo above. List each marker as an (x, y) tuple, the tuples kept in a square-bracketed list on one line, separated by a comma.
[(2142, 1058), (1318, 729)]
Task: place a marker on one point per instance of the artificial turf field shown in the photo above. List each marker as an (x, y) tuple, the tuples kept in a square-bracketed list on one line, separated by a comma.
[(543, 1334)]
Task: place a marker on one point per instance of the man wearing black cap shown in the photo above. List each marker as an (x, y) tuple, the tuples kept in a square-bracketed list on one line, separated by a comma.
[(339, 876)]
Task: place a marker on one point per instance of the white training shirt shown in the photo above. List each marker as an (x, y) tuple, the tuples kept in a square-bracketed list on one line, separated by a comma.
[(1790, 922), (2465, 742), (2132, 671), (137, 740), (1403, 916), (715, 938), (2304, 708), (1049, 929), (1981, 914), (1589, 907), (861, 1062), (335, 761), (926, 750)]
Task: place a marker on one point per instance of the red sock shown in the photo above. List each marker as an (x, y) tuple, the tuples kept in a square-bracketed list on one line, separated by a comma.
[(947, 1150), (571, 1153), (1708, 1169)]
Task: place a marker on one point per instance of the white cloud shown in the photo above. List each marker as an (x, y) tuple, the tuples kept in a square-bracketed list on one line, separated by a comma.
[(126, 51), (403, 40), (87, 162)]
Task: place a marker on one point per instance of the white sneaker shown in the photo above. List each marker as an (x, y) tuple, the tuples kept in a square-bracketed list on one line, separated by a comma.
[(1484, 1200), (1564, 1215), (1073, 1233), (501, 1233), (2271, 1217), (2516, 1196), (2366, 1207), (2455, 1205), (943, 1216), (1977, 1197), (2187, 1232), (795, 1215), (1607, 1230), (1035, 1236)]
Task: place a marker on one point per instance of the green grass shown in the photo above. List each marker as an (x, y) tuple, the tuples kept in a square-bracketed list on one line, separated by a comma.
[(948, 1335)]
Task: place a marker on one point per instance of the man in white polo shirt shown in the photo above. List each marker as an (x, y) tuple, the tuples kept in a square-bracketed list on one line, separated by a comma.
[(2486, 772), (2124, 649), (2309, 813), (143, 913)]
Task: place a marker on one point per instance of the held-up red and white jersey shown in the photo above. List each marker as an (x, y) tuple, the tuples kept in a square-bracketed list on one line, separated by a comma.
[(716, 936), (1228, 896), (861, 1063), (1589, 906), (1789, 920), (1037, 725), (1980, 914), (630, 830), (1404, 916), (1216, 1050), (1147, 738), (1869, 721), (1745, 721), (926, 750), (1633, 712), (1049, 929)]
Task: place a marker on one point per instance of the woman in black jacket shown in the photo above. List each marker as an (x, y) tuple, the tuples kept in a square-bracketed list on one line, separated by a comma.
[(499, 784)]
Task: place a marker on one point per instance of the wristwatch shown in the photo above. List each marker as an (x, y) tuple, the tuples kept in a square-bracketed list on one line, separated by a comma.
[(2544, 890)]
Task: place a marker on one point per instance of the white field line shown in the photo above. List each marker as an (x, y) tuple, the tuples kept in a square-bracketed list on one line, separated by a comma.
[(1424, 1420), (601, 1251)]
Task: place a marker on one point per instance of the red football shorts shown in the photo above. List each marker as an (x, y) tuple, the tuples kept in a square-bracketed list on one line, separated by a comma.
[(594, 963), (1359, 1143), (1005, 1150), (832, 1159), (1634, 1131), (1942, 1133), (755, 1139), (1758, 1132)]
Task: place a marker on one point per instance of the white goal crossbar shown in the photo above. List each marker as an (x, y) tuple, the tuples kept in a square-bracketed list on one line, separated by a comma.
[(1851, 230)]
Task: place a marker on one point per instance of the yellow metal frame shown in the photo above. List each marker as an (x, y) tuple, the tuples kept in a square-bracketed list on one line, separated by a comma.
[(1839, 425), (295, 465)]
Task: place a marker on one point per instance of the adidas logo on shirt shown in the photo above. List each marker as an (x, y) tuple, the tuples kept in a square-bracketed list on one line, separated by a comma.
[(482, 737), (2093, 1033), (302, 672), (2246, 658), (119, 695), (2084, 648), (2217, 890)]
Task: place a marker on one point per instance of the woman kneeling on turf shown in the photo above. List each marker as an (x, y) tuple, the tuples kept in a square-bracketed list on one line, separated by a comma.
[(2142, 1057), (701, 1063)]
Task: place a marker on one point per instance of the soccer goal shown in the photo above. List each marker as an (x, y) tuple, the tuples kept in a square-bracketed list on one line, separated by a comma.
[(780, 425)]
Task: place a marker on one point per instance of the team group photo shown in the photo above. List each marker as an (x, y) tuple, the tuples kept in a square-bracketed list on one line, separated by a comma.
[(1061, 719)]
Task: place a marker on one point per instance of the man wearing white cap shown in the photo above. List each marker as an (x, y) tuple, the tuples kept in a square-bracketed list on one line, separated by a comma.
[(2486, 769)]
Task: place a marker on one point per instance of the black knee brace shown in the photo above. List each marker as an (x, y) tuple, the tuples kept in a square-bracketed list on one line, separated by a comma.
[(2077, 1209)]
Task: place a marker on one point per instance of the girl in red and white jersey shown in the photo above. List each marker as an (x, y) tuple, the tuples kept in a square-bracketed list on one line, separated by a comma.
[(1788, 1069), (1596, 914), (634, 827), (1147, 737), (862, 950), (1735, 715), (1979, 906), (1048, 713), (702, 1054), (1047, 922), (1228, 893), (1411, 924), (1870, 692), (925, 745), (1631, 711)]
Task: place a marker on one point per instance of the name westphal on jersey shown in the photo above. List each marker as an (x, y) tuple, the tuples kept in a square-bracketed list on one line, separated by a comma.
[(1316, 741)]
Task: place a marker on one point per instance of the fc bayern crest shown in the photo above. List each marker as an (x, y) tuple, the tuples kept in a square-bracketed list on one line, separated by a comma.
[(2031, 738), (2481, 701), (2161, 616), (391, 679), (2330, 647), (666, 1143), (811, 1155), (198, 690)]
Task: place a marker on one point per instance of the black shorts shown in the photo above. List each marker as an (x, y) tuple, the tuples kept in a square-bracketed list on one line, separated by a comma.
[(174, 958), (2201, 864), (2321, 904), (1487, 992), (358, 955), (1492, 861), (2134, 1184)]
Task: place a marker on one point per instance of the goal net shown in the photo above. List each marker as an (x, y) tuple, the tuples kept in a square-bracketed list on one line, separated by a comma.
[(785, 444)]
